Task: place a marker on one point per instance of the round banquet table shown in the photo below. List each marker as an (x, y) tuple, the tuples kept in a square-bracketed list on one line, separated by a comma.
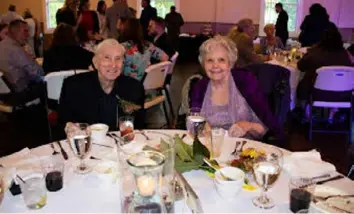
[(99, 192)]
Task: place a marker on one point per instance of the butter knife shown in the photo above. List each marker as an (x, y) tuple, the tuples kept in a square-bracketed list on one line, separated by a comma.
[(192, 198), (62, 151), (330, 179)]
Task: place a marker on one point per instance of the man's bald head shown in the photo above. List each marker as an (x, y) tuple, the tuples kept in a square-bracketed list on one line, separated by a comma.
[(109, 43)]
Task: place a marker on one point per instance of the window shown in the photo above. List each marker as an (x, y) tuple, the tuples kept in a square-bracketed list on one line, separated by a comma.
[(51, 8), (290, 6), (162, 6)]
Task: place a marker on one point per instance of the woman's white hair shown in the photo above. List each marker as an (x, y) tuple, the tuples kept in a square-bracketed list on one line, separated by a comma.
[(110, 43), (219, 41)]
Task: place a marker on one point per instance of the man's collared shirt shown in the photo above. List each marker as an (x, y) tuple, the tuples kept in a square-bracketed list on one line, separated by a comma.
[(18, 67)]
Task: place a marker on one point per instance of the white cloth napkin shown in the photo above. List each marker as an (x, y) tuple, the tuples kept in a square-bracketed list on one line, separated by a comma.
[(306, 164)]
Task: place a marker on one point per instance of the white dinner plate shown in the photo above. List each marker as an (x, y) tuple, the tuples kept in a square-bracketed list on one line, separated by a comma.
[(327, 206)]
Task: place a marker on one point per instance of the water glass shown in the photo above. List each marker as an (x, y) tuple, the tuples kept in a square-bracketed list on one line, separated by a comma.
[(53, 170), (33, 190), (217, 141), (126, 125), (301, 190)]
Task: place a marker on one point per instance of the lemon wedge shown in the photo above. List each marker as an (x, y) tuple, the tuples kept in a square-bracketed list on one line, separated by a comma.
[(248, 187), (42, 202)]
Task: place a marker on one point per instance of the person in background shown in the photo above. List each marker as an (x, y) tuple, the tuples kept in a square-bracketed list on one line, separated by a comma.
[(92, 97), (19, 68), (120, 29), (314, 25), (133, 11), (147, 14), (281, 26), (138, 51), (328, 52), (174, 22), (89, 20), (270, 42), (65, 53), (229, 98), (4, 30), (68, 13), (84, 40), (101, 12), (118, 10), (243, 38), (160, 39), (32, 26), (10, 15)]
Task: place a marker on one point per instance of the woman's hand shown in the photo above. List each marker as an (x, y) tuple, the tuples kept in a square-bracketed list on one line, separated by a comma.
[(241, 128)]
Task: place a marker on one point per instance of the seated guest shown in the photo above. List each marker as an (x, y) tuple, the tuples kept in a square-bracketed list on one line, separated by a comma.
[(328, 52), (231, 98), (84, 40), (160, 39), (138, 52), (243, 38), (98, 96), (20, 69), (65, 53), (270, 42), (3, 31)]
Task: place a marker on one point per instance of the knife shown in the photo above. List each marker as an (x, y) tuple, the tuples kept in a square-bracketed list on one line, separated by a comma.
[(62, 151), (330, 179), (192, 199)]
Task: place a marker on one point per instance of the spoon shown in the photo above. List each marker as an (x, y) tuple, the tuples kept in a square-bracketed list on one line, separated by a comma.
[(225, 177)]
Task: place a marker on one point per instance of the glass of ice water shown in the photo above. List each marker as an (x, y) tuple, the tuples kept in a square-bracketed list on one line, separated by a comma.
[(33, 190)]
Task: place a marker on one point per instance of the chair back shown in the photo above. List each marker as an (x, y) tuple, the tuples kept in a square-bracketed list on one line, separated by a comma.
[(173, 63), (4, 88), (334, 78), (55, 81), (155, 75)]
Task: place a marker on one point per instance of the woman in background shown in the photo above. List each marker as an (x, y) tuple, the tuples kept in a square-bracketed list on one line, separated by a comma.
[(65, 53), (270, 42), (89, 20), (314, 25), (3, 31), (32, 27), (101, 12), (138, 52), (68, 13)]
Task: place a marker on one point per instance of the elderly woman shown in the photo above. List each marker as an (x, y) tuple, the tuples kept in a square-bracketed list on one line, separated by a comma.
[(270, 42), (231, 99), (104, 95)]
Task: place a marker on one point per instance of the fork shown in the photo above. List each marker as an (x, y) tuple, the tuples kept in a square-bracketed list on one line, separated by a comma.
[(54, 151), (236, 146)]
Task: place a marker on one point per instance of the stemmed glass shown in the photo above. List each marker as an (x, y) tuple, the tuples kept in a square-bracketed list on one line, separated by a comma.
[(266, 170), (79, 138)]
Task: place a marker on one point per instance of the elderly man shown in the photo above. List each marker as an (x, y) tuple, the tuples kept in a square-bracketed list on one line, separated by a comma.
[(243, 37), (104, 95), (18, 66), (160, 39)]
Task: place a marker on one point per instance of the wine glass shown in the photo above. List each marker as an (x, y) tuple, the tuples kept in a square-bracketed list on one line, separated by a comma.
[(80, 143), (266, 170)]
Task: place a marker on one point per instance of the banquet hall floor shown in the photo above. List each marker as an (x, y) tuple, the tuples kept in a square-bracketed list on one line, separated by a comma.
[(333, 148)]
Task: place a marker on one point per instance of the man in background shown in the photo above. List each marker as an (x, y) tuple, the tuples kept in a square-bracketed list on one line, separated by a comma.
[(10, 15), (174, 22), (19, 67), (118, 10), (160, 39), (281, 26), (147, 14)]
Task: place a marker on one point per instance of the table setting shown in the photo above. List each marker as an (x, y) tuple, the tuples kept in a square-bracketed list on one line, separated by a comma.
[(166, 171)]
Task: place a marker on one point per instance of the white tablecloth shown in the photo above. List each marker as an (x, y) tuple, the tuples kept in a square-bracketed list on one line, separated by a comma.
[(295, 76), (92, 192)]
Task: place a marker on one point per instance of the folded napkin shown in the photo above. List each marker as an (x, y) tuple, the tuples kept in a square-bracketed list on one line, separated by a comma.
[(306, 164)]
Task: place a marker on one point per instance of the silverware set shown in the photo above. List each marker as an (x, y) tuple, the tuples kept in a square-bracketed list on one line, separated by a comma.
[(237, 151)]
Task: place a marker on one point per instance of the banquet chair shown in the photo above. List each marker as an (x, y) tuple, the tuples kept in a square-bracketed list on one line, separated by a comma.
[(333, 79), (153, 80), (167, 83)]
